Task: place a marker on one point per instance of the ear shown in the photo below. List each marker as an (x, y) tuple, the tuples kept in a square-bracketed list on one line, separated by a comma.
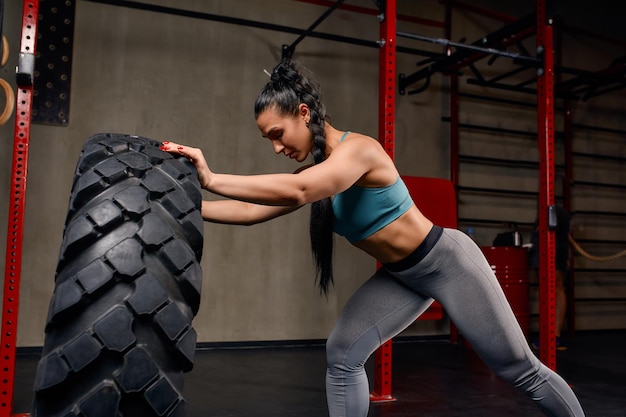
[(304, 111)]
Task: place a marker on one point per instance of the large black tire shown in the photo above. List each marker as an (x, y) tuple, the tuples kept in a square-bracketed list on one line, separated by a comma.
[(118, 334)]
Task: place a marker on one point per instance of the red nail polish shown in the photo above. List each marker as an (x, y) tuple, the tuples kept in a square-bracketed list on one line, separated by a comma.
[(180, 148), (165, 143)]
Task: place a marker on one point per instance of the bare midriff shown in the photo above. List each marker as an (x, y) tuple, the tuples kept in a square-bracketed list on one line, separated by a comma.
[(399, 238)]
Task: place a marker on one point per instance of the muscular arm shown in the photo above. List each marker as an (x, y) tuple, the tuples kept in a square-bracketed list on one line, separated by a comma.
[(240, 212), (346, 165)]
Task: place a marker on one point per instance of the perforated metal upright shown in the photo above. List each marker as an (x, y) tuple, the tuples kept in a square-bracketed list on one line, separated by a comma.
[(17, 205), (386, 136), (545, 129)]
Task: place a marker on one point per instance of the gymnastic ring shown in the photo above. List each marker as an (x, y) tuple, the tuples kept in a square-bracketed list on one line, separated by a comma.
[(10, 101), (5, 51)]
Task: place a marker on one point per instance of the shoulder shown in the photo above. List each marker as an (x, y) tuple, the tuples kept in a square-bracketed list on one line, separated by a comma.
[(359, 144), (365, 151)]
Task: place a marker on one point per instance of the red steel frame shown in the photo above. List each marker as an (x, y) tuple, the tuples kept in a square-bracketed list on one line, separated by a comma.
[(545, 143), (386, 136), (545, 121), (545, 129), (15, 230)]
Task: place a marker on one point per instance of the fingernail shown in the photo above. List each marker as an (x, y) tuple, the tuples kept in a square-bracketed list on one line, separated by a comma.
[(180, 148), (165, 143)]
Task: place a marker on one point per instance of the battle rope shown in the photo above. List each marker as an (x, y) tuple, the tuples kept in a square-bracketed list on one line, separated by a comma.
[(593, 257)]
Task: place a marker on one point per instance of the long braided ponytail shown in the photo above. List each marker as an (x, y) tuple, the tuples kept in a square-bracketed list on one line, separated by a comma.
[(287, 89)]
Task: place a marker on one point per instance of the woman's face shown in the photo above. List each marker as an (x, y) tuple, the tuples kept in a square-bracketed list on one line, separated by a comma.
[(288, 134)]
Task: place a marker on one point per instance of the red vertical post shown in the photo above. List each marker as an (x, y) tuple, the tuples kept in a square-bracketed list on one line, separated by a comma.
[(15, 229), (386, 136), (387, 78), (545, 125)]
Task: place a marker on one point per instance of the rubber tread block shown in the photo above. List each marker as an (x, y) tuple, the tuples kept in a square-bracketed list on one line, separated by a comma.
[(88, 185), (105, 213), (91, 155), (191, 189), (51, 370), (175, 169), (81, 351), (177, 255), (161, 396), (154, 231), (78, 231), (172, 321), (115, 330), (137, 372), (115, 145), (137, 163), (94, 276), (187, 348), (193, 226), (178, 204), (191, 284), (66, 295), (157, 183), (111, 170), (149, 295), (126, 257), (103, 401), (156, 155), (133, 199)]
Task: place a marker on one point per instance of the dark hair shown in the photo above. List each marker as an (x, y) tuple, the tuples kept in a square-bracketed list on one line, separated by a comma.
[(288, 87)]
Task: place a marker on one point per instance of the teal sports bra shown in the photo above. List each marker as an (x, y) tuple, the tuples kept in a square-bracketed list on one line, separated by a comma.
[(360, 212)]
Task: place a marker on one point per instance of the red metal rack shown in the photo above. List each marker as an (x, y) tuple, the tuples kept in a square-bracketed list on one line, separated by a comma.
[(386, 136), (545, 118), (545, 129), (15, 228)]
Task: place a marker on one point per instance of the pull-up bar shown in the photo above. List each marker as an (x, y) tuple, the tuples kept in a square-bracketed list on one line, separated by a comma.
[(468, 53), (459, 45)]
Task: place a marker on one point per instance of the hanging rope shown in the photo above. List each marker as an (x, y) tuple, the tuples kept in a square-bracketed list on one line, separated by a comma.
[(593, 257)]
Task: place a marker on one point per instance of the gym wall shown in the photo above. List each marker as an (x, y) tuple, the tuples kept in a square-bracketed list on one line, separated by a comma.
[(195, 81)]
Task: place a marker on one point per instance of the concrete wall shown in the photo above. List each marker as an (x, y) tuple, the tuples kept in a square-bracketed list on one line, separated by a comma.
[(194, 81)]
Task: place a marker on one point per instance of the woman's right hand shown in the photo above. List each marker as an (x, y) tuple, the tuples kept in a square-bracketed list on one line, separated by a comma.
[(195, 156)]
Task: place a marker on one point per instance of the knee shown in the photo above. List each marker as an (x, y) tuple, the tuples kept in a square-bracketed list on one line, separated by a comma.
[(336, 353), (528, 376), (523, 372), (343, 355)]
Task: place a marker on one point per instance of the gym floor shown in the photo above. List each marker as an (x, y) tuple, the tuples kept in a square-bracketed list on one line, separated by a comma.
[(431, 378)]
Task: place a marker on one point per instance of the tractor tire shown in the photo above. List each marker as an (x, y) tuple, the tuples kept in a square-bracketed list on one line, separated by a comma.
[(127, 285)]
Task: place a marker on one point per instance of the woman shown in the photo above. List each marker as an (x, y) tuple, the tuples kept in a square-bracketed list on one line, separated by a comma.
[(372, 208)]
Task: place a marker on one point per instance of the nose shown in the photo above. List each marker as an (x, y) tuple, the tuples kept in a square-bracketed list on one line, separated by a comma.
[(278, 146)]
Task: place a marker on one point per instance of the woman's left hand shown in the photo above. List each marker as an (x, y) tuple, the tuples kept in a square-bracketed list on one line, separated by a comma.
[(195, 156)]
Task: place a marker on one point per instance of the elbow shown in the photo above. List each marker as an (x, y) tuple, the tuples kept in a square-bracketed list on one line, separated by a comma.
[(298, 199), (292, 198)]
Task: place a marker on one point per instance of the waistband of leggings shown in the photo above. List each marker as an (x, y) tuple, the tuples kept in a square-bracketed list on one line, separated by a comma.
[(418, 254)]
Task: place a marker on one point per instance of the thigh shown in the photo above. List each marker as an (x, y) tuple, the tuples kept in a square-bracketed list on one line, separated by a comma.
[(380, 309), (473, 298)]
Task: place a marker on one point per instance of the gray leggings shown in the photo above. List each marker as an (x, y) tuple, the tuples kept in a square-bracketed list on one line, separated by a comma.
[(455, 273)]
